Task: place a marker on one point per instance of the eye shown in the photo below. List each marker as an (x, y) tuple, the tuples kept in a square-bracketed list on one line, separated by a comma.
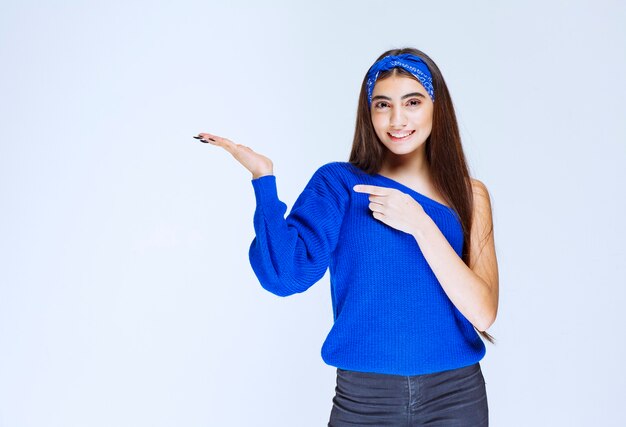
[(414, 102), (381, 104)]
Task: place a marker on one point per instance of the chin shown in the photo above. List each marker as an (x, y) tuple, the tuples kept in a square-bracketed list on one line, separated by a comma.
[(401, 151)]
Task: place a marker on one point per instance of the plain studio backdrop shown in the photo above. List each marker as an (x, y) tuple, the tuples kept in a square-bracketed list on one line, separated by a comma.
[(126, 293)]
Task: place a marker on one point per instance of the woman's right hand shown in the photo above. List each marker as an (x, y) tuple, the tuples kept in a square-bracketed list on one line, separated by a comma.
[(256, 163)]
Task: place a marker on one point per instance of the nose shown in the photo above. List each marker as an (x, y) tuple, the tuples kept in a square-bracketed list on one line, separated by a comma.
[(398, 118)]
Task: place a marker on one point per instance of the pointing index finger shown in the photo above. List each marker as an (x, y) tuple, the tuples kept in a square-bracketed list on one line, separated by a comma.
[(371, 189)]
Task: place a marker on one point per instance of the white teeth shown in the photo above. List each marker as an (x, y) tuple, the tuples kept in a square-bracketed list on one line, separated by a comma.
[(400, 135)]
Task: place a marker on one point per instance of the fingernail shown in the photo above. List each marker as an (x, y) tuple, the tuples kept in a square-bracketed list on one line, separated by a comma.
[(198, 137)]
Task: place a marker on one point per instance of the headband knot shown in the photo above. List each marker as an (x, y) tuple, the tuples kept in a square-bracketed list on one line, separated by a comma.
[(406, 61)]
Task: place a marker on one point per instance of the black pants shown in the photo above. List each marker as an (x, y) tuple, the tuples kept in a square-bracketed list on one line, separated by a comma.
[(452, 398)]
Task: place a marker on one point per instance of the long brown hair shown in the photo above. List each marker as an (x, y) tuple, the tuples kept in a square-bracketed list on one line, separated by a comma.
[(448, 168)]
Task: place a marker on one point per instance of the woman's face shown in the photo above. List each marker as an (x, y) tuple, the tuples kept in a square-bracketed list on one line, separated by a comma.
[(402, 114)]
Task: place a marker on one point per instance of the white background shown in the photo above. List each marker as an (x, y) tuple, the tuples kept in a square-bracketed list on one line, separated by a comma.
[(126, 294)]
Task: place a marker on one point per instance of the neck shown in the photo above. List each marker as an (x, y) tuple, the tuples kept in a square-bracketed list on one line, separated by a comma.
[(409, 167)]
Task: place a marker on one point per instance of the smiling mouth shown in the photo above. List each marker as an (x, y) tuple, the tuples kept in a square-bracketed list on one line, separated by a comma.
[(400, 136)]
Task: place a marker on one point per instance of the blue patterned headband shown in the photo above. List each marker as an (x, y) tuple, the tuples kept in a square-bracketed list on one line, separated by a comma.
[(407, 61)]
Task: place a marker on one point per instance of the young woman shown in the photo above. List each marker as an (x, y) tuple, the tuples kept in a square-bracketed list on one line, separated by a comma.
[(408, 238)]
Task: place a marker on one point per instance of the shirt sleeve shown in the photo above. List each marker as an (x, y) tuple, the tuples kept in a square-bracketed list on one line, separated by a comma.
[(289, 255)]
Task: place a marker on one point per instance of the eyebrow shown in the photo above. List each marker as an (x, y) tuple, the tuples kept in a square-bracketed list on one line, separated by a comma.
[(408, 95)]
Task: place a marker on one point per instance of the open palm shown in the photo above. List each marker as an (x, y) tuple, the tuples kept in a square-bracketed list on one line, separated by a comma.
[(258, 164)]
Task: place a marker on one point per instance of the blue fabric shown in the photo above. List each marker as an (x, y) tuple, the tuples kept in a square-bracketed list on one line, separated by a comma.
[(391, 314), (410, 63)]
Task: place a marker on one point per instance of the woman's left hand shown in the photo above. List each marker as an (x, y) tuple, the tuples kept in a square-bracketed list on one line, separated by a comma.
[(393, 207)]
